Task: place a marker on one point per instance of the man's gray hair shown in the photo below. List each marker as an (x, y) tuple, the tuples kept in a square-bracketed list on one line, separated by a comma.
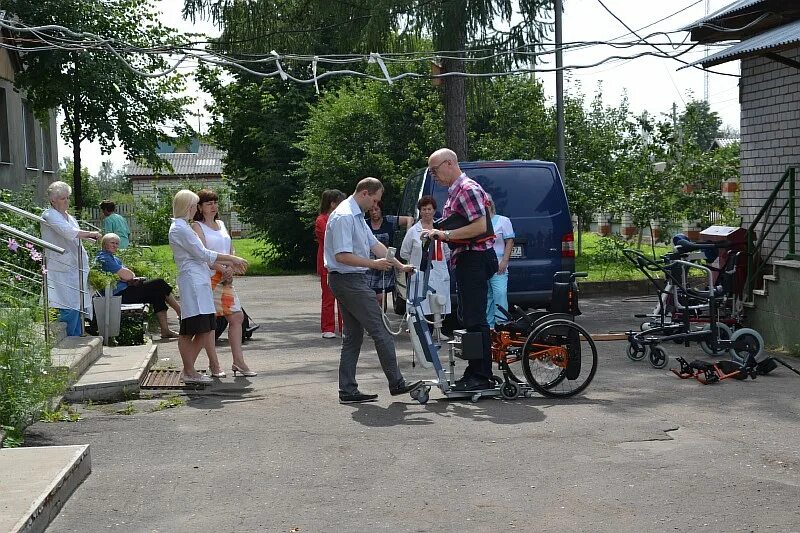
[(58, 189)]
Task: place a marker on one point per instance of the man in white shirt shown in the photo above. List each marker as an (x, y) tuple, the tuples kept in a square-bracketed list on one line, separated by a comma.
[(348, 242)]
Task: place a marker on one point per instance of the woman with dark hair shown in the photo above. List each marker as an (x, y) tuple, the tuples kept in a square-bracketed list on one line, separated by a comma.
[(197, 300), (214, 236), (383, 227), (330, 199), (411, 251)]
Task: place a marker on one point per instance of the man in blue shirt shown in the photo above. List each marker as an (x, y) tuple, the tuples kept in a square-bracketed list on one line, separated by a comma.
[(348, 242)]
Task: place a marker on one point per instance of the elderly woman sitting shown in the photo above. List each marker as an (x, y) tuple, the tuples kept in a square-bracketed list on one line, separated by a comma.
[(133, 290)]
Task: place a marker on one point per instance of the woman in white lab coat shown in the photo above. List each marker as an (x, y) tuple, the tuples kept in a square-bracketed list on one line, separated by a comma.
[(63, 273), (198, 312), (411, 251)]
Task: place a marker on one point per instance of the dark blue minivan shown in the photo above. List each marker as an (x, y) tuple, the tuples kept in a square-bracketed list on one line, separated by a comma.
[(531, 194)]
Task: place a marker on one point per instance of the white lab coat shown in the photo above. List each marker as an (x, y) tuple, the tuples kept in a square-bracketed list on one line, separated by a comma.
[(411, 250), (63, 280), (193, 260)]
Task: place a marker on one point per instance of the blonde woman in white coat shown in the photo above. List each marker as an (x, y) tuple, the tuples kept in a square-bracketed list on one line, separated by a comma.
[(198, 313)]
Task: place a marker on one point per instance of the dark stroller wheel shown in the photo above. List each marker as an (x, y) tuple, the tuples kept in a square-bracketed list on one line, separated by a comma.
[(746, 346), (724, 333), (636, 351), (658, 357)]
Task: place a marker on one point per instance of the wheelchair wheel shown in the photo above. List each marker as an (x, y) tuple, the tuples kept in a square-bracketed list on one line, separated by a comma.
[(658, 357), (724, 333), (746, 344), (559, 358), (636, 351)]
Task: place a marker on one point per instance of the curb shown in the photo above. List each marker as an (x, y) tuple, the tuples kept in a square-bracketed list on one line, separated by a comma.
[(640, 287)]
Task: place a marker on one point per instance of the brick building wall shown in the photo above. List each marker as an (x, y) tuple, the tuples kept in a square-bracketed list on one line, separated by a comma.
[(770, 130)]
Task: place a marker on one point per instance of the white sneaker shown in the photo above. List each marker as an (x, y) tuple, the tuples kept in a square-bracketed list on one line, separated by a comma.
[(329, 335)]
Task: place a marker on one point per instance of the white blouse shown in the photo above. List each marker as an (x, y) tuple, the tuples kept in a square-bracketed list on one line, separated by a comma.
[(439, 279), (193, 260), (217, 240)]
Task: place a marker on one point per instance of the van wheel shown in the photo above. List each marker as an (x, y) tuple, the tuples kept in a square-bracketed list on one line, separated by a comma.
[(398, 304)]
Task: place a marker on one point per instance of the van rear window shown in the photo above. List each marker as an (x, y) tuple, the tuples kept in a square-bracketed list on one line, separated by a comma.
[(521, 191)]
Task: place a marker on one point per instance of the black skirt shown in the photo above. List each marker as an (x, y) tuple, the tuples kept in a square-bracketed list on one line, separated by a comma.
[(198, 324)]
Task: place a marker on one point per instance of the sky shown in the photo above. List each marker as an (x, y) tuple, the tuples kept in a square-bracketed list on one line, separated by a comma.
[(651, 84)]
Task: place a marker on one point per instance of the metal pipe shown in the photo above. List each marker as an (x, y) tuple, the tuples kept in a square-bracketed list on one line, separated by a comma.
[(560, 126), (45, 301), (22, 212), (30, 238), (81, 290), (792, 213)]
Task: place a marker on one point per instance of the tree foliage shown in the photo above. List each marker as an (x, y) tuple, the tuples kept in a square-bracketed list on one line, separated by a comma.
[(468, 28), (102, 99)]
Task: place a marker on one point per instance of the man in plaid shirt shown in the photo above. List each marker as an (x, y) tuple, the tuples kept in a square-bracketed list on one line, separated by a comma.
[(472, 255)]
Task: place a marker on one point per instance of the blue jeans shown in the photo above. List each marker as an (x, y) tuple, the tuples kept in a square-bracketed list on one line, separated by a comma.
[(498, 295), (73, 319), (473, 270)]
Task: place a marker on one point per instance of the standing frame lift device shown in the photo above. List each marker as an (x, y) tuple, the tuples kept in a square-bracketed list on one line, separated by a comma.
[(558, 357)]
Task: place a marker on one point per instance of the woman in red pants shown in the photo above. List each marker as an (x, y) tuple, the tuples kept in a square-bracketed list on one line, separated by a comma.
[(330, 199)]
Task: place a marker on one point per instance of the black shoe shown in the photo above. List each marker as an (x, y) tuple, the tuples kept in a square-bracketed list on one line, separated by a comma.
[(471, 384), (403, 388), (357, 397)]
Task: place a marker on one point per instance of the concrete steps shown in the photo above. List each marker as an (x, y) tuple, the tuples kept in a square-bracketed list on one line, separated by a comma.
[(774, 311), (115, 375), (36, 482), (77, 353)]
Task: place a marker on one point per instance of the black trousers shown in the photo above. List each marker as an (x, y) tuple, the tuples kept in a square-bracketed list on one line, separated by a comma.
[(153, 292), (473, 270)]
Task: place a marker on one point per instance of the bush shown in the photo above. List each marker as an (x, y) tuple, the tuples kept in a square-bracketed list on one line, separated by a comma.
[(27, 380), (155, 215)]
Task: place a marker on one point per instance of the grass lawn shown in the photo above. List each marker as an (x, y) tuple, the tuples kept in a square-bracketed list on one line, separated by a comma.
[(594, 260), (245, 248)]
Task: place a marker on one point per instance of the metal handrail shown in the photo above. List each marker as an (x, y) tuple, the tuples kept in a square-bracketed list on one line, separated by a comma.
[(31, 239), (755, 262), (82, 290)]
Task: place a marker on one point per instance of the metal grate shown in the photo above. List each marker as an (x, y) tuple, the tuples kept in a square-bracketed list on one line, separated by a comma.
[(166, 378)]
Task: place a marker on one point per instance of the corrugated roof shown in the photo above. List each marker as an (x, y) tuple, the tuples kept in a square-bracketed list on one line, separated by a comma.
[(739, 5), (779, 37), (724, 142), (207, 160)]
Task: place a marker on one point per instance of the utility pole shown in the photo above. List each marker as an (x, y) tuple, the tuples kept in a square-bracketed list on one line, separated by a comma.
[(560, 144)]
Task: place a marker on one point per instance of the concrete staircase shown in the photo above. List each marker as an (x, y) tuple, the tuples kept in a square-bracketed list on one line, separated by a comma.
[(35, 482), (774, 311)]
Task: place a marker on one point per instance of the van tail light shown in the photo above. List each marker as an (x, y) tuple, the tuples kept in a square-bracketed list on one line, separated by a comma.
[(568, 245)]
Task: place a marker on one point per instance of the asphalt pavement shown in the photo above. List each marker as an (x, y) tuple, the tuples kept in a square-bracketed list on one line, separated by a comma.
[(640, 450)]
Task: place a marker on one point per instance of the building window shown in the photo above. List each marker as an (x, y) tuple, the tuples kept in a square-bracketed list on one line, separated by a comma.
[(29, 124), (47, 147), (5, 147)]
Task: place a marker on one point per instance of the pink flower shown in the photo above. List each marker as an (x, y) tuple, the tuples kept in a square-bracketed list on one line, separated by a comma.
[(29, 245), (12, 245), (18, 277), (36, 256), (44, 270)]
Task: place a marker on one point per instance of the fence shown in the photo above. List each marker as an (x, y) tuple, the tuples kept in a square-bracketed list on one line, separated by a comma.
[(139, 234)]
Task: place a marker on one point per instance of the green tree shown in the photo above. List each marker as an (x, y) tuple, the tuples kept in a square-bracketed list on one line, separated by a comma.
[(90, 191), (359, 26), (112, 182), (698, 124), (101, 98), (367, 128), (257, 122)]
